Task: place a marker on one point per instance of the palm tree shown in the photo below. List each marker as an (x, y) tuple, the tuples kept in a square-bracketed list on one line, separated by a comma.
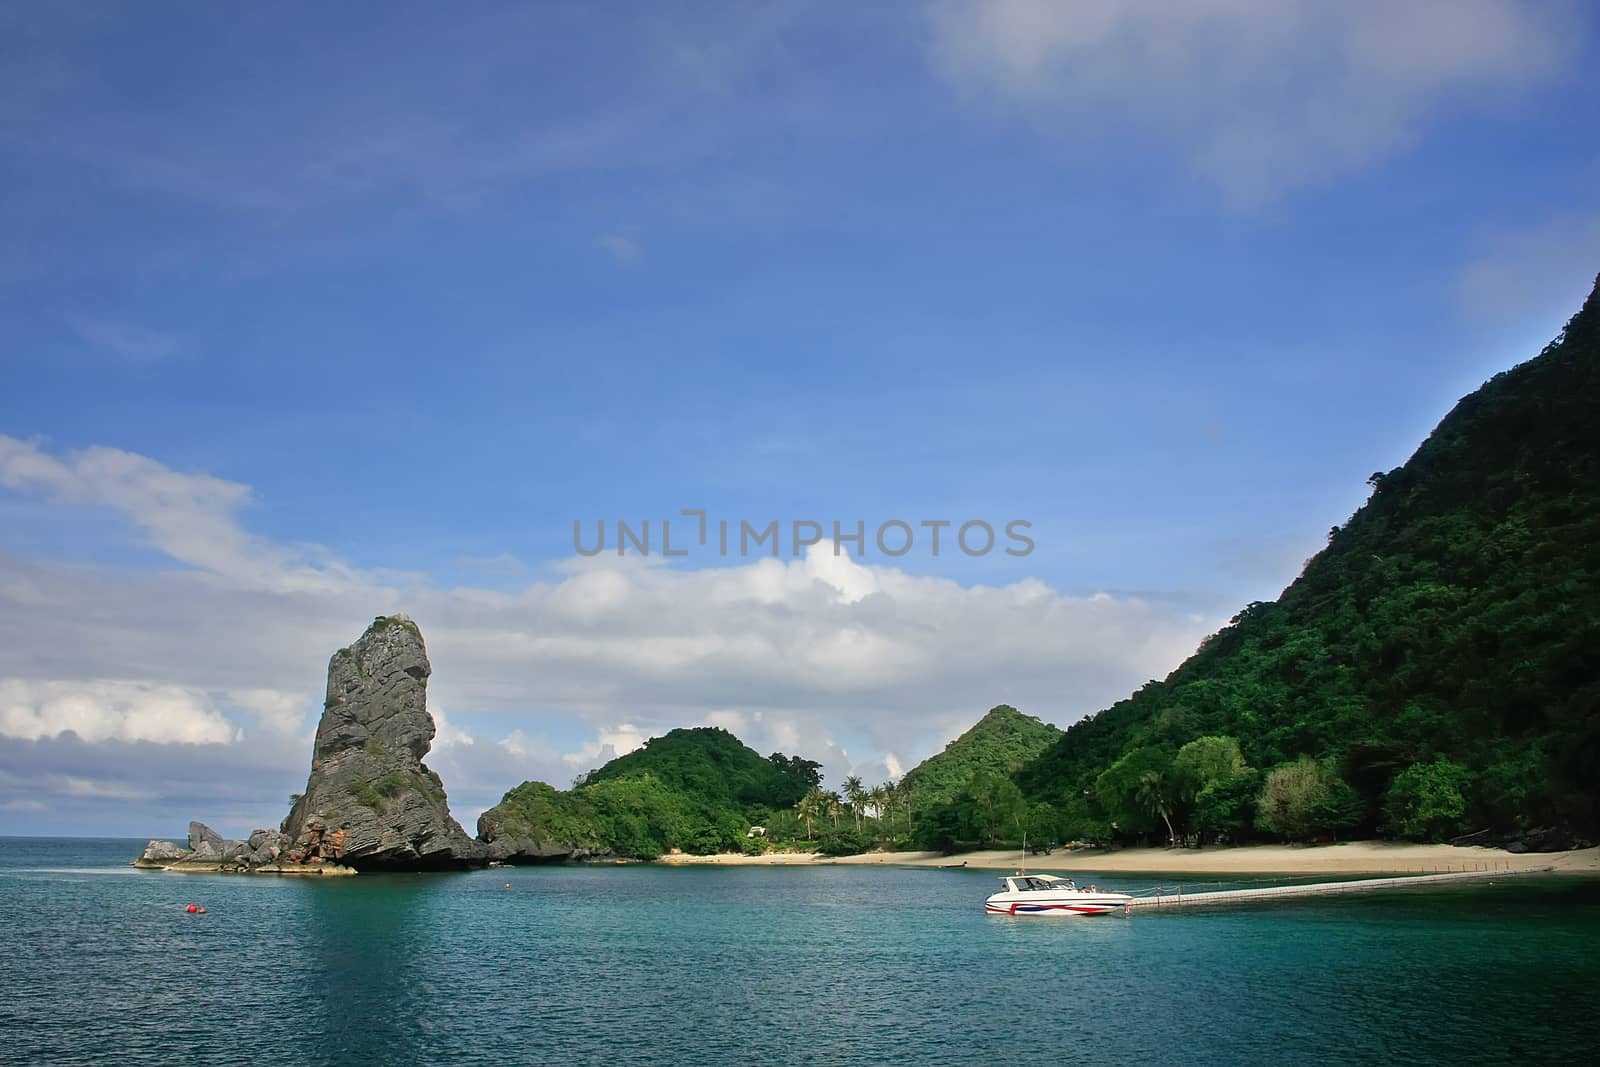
[(895, 796), (810, 807), (835, 806), (1151, 792), (856, 794)]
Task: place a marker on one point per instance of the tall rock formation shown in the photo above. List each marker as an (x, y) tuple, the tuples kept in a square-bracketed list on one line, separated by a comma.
[(370, 802)]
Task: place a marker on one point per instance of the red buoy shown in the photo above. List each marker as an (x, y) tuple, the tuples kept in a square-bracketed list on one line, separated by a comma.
[(192, 909)]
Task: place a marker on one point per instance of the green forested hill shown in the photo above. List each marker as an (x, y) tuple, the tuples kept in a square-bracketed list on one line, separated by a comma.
[(710, 763), (1001, 742), (697, 790), (1438, 661)]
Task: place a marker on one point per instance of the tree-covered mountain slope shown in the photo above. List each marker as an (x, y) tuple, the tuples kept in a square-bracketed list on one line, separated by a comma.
[(1001, 742), (710, 763), (697, 790), (1441, 656)]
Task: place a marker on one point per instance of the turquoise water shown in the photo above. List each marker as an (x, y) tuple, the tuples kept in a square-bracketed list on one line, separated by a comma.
[(820, 965)]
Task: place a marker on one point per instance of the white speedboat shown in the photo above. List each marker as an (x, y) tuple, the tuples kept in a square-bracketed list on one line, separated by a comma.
[(1045, 894)]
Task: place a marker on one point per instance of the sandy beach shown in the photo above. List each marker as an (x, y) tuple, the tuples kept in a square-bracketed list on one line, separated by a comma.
[(1356, 857)]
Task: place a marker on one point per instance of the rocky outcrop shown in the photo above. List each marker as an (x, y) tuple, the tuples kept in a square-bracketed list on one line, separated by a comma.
[(204, 838), (210, 851), (509, 844), (208, 846), (370, 802), (519, 828), (159, 854), (1539, 839)]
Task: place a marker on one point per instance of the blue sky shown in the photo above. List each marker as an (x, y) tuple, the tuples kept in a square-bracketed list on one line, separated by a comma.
[(307, 316)]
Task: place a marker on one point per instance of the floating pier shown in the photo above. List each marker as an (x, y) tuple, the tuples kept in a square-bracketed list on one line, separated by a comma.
[(1175, 897)]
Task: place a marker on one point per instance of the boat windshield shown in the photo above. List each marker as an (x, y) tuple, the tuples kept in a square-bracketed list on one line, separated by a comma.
[(1036, 884)]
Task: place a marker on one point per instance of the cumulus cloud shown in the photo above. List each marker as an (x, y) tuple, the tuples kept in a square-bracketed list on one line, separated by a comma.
[(110, 711), (273, 711), (1257, 95), (864, 668), (445, 732), (609, 743)]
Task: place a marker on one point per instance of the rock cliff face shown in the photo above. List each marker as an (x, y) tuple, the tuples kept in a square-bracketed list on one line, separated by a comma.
[(508, 837), (370, 802)]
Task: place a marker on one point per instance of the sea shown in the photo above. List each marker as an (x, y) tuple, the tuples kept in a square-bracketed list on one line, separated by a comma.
[(641, 964)]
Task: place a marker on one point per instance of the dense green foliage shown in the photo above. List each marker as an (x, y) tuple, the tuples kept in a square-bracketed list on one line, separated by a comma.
[(1001, 742), (1303, 799), (1437, 659), (1428, 800), (698, 790), (988, 810), (710, 763), (1225, 810)]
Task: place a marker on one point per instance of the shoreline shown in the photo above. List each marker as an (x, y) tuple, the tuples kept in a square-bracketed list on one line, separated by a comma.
[(1355, 857)]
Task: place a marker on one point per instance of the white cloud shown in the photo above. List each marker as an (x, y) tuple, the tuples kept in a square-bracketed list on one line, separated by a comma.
[(518, 744), (110, 711), (276, 711), (445, 732), (609, 743), (1257, 95), (190, 517), (734, 722), (856, 666)]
